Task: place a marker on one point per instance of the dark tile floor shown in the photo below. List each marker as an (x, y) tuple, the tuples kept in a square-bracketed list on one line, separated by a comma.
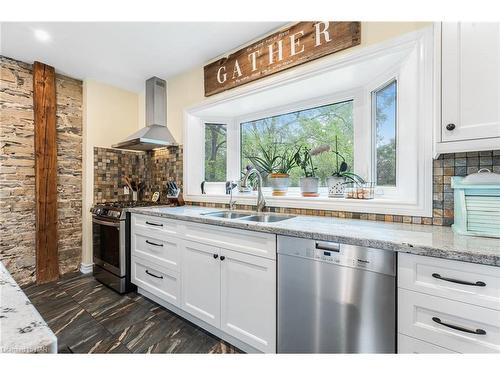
[(88, 317)]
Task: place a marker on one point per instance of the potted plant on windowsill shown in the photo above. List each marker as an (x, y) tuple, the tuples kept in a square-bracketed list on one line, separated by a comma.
[(280, 177), (309, 184), (276, 167), (340, 176)]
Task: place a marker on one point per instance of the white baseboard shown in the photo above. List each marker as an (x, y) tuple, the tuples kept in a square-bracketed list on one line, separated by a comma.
[(86, 268)]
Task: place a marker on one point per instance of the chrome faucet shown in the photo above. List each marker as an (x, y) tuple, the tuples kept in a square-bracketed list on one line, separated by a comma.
[(261, 202), (230, 185)]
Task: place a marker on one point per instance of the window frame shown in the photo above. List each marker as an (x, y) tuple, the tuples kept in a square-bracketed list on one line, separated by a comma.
[(212, 187), (349, 95), (205, 125), (374, 131)]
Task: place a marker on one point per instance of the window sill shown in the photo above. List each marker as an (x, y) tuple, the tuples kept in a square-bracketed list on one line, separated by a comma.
[(378, 205)]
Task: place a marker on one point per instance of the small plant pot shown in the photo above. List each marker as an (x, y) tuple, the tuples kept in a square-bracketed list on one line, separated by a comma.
[(336, 187), (309, 186), (279, 182)]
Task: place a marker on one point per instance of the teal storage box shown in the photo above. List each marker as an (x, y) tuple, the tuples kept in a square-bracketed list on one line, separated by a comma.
[(477, 204)]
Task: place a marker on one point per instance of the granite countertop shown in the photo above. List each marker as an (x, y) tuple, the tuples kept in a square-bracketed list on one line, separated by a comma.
[(22, 329), (428, 240)]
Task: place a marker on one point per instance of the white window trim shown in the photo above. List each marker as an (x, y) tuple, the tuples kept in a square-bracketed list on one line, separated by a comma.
[(418, 205)]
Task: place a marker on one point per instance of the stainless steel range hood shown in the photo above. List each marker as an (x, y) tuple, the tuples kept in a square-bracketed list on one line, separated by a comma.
[(156, 133)]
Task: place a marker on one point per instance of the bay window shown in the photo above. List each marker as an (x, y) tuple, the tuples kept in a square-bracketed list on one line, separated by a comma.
[(375, 105)]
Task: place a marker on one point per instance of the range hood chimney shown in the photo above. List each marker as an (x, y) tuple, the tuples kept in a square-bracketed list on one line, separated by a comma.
[(155, 134)]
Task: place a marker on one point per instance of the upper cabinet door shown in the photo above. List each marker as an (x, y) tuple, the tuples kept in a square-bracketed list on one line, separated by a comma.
[(470, 81), (248, 299), (201, 281)]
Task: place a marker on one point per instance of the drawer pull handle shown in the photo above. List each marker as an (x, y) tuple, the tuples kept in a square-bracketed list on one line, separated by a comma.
[(477, 283), (222, 257), (458, 328), (216, 256), (154, 244), (154, 224), (152, 274)]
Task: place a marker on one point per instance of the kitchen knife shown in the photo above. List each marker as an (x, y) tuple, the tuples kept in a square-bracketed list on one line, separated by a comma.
[(127, 181)]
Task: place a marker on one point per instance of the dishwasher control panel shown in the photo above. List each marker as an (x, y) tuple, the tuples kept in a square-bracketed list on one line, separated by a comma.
[(371, 259)]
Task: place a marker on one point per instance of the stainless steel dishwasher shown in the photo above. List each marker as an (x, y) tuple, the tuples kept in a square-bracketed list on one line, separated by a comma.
[(335, 298)]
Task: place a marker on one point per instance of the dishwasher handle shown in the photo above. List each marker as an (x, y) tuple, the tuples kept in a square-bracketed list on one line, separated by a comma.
[(328, 246)]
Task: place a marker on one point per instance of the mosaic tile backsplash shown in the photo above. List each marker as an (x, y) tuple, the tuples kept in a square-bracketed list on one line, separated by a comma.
[(157, 167), (154, 168), (448, 165), (459, 164)]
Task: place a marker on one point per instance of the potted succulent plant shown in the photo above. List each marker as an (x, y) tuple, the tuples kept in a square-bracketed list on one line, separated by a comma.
[(276, 167), (336, 182), (309, 183)]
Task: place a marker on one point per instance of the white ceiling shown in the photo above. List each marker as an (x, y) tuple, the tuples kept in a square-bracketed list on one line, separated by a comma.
[(125, 54)]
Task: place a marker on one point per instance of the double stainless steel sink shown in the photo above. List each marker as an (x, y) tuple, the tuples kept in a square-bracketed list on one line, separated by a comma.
[(245, 216)]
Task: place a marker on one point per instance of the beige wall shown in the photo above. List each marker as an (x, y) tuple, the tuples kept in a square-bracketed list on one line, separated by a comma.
[(186, 89), (109, 115)]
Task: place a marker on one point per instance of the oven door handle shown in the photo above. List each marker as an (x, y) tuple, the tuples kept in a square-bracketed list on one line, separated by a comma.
[(108, 223)]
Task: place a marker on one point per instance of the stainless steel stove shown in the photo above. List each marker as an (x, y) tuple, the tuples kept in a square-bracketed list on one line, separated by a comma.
[(111, 243)]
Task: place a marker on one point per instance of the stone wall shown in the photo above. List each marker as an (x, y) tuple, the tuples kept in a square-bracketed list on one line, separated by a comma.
[(17, 178), (154, 168)]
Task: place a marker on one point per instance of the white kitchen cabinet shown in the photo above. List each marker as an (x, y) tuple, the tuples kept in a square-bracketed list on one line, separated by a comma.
[(476, 284), (224, 279), (156, 247), (410, 345), (248, 299), (244, 241), (470, 86), (453, 325), (157, 280), (201, 281), (452, 305)]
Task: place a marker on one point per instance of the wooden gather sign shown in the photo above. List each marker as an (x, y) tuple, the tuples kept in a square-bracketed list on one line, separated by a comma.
[(302, 42)]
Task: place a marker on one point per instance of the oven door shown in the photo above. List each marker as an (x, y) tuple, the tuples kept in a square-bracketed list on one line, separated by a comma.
[(108, 244)]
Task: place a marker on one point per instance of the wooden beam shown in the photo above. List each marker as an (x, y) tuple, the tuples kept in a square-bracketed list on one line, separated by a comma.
[(44, 102)]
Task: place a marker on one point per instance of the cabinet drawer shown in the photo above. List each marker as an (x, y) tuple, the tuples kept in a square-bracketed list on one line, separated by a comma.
[(448, 278), (156, 280), (245, 241), (411, 345), (156, 224), (417, 314), (159, 248)]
